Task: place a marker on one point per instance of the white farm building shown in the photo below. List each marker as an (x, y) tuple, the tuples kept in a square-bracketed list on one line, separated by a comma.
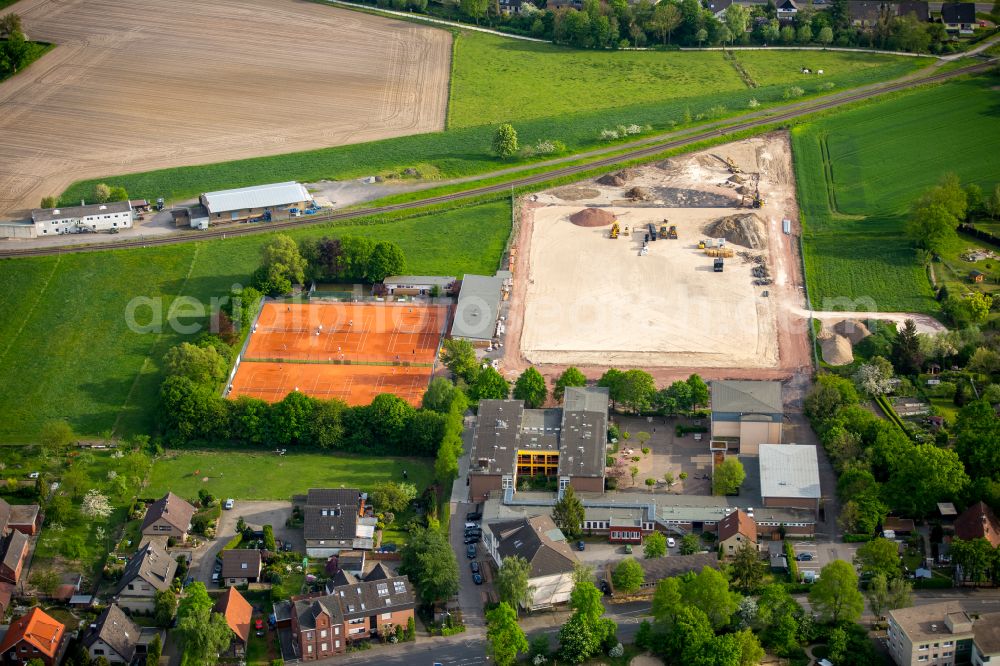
[(82, 219), (277, 201)]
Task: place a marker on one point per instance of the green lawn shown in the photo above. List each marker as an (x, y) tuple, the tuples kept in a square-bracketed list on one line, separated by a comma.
[(35, 51), (552, 93), (268, 476), (858, 171), (70, 354)]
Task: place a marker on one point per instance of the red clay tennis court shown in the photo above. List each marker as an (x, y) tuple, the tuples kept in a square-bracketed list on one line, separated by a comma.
[(354, 384), (357, 332), (350, 351)]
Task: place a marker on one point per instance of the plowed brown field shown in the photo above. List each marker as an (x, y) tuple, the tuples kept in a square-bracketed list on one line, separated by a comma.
[(135, 85)]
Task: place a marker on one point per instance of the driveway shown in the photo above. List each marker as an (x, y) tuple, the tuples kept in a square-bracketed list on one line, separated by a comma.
[(471, 597), (256, 514)]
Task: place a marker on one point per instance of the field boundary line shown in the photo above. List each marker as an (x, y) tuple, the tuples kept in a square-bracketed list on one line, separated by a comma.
[(795, 48), (31, 311), (156, 340)]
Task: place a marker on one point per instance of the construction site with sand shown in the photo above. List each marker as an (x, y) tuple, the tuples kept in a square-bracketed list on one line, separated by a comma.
[(687, 264), (348, 351)]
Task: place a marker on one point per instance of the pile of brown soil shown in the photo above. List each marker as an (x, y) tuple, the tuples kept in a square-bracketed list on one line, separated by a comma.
[(618, 178), (852, 329), (745, 229), (836, 349), (592, 217), (737, 178), (639, 194)]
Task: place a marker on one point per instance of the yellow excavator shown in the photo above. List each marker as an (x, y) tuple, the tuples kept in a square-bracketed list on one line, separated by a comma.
[(733, 166), (614, 229)]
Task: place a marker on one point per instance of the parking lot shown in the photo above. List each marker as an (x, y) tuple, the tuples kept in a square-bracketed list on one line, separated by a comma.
[(471, 597)]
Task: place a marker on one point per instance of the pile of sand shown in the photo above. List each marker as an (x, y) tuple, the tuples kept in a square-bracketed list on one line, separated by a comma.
[(618, 178), (836, 348), (639, 194), (737, 178), (745, 229), (852, 329), (592, 217)]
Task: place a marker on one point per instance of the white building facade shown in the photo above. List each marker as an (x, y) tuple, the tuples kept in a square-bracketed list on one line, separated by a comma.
[(82, 219)]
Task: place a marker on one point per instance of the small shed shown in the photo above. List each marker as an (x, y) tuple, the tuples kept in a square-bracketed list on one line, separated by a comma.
[(976, 276)]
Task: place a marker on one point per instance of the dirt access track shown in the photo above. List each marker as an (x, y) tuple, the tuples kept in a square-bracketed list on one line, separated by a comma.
[(581, 298), (135, 85)]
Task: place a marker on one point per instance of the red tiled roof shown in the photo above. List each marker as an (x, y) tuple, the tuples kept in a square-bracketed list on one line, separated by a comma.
[(36, 628), (738, 523), (237, 612), (978, 522)]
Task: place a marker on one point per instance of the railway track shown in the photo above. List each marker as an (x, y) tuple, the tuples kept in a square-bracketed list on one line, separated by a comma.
[(638, 153)]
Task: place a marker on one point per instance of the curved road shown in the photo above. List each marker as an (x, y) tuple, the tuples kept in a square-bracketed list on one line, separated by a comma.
[(647, 151)]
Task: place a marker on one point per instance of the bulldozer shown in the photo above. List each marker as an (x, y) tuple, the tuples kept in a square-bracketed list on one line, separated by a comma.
[(614, 230), (701, 245), (672, 232)]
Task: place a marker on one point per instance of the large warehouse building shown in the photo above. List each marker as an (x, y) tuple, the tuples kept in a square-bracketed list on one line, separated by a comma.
[(478, 307), (569, 443), (746, 414), (789, 476), (279, 200)]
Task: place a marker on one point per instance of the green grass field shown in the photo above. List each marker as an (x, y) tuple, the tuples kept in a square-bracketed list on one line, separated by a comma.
[(552, 93), (268, 476), (857, 173), (70, 354)]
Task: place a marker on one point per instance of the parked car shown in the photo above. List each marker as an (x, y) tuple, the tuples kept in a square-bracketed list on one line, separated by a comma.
[(580, 545), (471, 525), (475, 533), (605, 588), (470, 552), (215, 577), (287, 546), (230, 503), (477, 579), (804, 557), (218, 567), (628, 549), (474, 566), (473, 516), (670, 542), (389, 547), (33, 475), (471, 539), (258, 624)]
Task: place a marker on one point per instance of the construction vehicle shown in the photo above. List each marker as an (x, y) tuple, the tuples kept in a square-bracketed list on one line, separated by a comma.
[(718, 265), (672, 232), (758, 200), (701, 245), (625, 231), (614, 230), (733, 166), (719, 252), (652, 232), (663, 231)]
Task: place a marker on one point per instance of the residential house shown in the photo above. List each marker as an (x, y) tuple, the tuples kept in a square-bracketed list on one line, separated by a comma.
[(939, 634), (746, 414), (789, 476), (334, 520), (660, 568), (508, 7), (240, 567), (567, 444), (978, 522), (25, 518), (918, 9), (150, 570), (787, 9), (544, 546), (959, 17), (118, 639), (238, 613), (352, 610), (33, 636), (865, 13), (13, 552), (736, 530), (169, 516)]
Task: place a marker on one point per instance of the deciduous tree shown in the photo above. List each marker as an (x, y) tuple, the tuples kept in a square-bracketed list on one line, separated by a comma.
[(505, 137), (835, 595), (490, 384), (530, 387), (429, 560), (628, 576), (709, 592), (654, 545), (747, 571), (393, 496), (512, 583), (200, 364), (879, 556), (202, 633), (505, 637), (728, 477), (570, 377), (460, 357)]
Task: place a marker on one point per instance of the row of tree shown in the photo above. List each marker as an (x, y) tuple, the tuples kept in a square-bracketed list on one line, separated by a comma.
[(622, 24), (16, 51), (349, 259), (936, 214)]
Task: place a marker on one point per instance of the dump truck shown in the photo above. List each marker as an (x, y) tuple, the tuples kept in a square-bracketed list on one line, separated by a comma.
[(614, 230), (672, 232), (717, 266), (652, 232), (718, 252)]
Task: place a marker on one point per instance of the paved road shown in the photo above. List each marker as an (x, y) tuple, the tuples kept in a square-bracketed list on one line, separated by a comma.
[(652, 146)]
